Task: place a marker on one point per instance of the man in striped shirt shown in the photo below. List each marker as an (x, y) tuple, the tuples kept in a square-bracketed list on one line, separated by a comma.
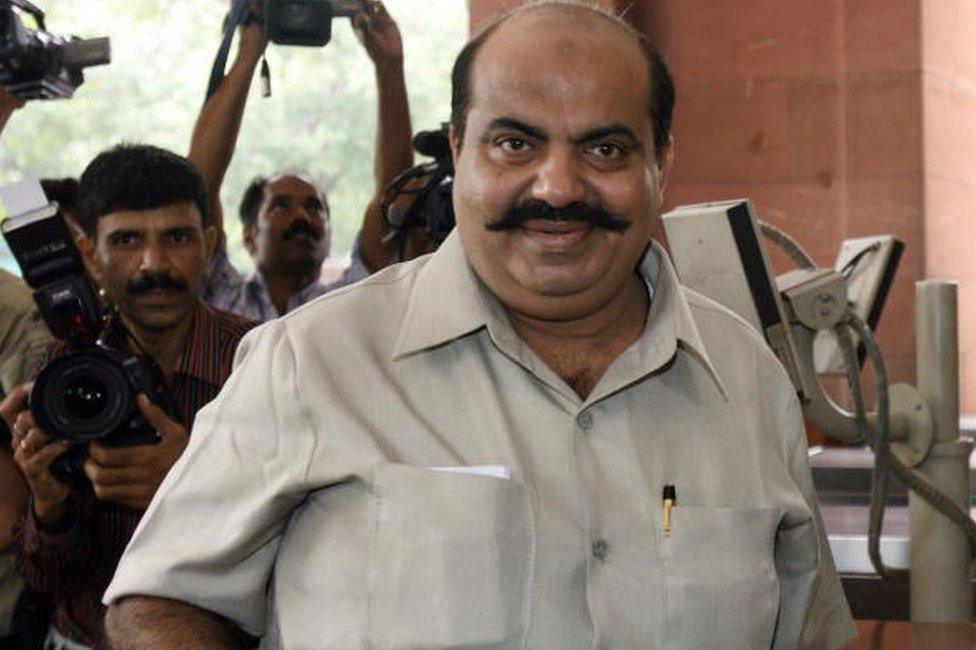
[(148, 243)]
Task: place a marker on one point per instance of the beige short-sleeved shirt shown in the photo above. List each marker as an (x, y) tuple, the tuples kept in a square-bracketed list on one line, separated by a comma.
[(320, 504)]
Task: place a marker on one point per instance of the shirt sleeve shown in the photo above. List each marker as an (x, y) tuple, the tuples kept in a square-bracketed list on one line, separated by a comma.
[(357, 269), (813, 610), (58, 563), (211, 534)]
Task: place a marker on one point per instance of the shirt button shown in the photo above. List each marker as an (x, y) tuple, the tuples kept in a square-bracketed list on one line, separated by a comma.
[(585, 420), (600, 549)]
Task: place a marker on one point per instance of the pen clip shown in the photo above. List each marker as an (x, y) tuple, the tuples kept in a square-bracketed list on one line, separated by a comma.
[(668, 501)]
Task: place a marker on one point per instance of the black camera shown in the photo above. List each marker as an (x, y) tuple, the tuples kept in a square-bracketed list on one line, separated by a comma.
[(305, 22), (88, 394), (35, 64), (286, 22), (421, 197)]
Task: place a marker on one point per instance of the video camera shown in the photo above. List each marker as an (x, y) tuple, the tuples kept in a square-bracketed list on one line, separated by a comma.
[(421, 197), (35, 64), (88, 394)]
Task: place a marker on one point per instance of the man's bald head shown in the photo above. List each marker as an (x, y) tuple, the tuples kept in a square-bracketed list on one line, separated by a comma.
[(662, 95)]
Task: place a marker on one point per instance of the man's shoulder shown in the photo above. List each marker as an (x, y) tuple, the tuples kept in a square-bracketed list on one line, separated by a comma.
[(732, 339), (372, 307)]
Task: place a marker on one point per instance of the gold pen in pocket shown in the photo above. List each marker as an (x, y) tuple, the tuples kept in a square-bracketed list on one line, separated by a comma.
[(668, 500)]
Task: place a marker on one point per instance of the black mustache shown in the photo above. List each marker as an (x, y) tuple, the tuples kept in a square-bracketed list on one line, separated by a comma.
[(302, 227), (577, 211), (151, 281)]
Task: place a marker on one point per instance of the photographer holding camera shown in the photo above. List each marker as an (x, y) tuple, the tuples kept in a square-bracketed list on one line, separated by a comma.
[(286, 217), (148, 242)]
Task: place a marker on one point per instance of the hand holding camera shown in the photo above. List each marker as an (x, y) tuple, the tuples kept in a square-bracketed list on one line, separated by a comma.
[(34, 452), (131, 475), (253, 39), (378, 33)]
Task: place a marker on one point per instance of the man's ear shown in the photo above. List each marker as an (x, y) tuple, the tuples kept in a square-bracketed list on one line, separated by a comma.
[(664, 165), (210, 240), (86, 246), (454, 139), (247, 236)]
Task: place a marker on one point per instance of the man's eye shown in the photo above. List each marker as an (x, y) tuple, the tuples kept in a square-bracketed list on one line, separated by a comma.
[(513, 145), (126, 239), (179, 236), (608, 151)]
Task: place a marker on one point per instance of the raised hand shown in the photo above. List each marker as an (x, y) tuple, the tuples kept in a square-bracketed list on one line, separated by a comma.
[(378, 33)]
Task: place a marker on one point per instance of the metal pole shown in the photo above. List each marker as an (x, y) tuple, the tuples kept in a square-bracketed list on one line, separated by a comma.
[(940, 566)]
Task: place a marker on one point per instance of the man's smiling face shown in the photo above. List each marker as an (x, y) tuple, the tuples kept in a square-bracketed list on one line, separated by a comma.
[(557, 181)]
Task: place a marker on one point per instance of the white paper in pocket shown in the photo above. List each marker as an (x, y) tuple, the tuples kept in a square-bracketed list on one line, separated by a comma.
[(497, 471)]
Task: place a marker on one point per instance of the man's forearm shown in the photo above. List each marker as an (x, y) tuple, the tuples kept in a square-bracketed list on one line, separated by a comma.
[(13, 505), (58, 562), (215, 133), (394, 147), (142, 622), (4, 117), (394, 154)]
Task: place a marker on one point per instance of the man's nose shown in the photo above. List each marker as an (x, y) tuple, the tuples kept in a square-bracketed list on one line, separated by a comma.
[(155, 257), (558, 181)]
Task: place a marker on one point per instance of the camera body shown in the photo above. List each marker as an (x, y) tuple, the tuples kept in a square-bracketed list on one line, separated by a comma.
[(305, 22), (35, 64), (88, 394)]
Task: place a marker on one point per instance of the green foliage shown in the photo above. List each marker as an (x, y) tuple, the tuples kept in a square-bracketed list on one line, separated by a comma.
[(320, 120)]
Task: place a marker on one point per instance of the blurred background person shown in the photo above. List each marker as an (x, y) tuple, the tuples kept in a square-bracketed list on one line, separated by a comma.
[(286, 217)]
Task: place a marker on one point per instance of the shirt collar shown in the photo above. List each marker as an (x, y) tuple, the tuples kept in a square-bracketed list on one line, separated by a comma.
[(201, 355), (257, 289), (448, 301), (671, 313)]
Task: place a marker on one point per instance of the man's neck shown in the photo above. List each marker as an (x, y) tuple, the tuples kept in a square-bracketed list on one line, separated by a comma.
[(166, 347), (282, 287), (581, 350)]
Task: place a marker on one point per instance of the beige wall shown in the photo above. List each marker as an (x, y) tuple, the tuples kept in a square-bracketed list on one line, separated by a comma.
[(839, 118)]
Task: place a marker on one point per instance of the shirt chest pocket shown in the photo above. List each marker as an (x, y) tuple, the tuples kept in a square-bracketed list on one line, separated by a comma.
[(451, 560), (721, 588)]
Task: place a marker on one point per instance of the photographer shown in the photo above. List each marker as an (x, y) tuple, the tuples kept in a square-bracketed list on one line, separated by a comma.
[(148, 240), (285, 217)]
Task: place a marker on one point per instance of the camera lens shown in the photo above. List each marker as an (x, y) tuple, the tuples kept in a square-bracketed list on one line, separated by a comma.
[(85, 397), (82, 396)]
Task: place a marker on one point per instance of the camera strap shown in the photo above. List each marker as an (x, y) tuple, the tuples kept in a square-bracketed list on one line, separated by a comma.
[(237, 14)]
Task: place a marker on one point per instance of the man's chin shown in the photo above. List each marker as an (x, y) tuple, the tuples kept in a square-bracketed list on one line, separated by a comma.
[(302, 265), (158, 318)]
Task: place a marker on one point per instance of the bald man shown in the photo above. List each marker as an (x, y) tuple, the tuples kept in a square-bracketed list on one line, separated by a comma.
[(534, 438)]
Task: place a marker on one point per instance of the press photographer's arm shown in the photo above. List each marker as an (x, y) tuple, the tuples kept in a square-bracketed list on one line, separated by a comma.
[(8, 104), (379, 34), (218, 125), (215, 133)]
